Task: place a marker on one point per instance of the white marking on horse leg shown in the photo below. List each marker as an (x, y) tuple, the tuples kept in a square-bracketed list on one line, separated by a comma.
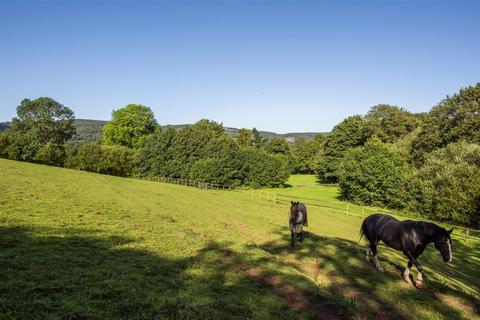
[(419, 280), (377, 264), (419, 277), (367, 254), (406, 275), (449, 250)]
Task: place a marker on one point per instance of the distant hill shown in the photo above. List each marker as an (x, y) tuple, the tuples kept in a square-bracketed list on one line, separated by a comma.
[(91, 130)]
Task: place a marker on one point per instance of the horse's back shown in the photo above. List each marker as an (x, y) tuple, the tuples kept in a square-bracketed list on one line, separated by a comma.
[(374, 223)]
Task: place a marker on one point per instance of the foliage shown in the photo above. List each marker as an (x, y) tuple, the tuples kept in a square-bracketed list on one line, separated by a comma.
[(113, 160), (389, 123), (455, 118), (372, 174), (263, 169), (305, 152), (204, 152), (277, 145), (155, 157), (51, 154), (129, 126), (447, 186), (258, 140), (351, 132), (244, 137), (39, 123)]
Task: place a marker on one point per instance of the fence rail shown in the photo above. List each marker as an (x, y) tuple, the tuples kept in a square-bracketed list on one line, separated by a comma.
[(191, 183), (354, 210), (344, 208)]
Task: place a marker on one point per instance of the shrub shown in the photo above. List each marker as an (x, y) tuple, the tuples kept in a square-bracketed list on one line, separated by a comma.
[(447, 186), (52, 154), (372, 175)]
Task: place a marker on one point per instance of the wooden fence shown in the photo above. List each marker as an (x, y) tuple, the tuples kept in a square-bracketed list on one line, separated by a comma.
[(354, 210), (191, 183), (332, 207)]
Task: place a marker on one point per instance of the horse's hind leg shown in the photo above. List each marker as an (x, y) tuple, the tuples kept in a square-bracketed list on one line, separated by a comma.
[(375, 259), (406, 272), (292, 234), (368, 253)]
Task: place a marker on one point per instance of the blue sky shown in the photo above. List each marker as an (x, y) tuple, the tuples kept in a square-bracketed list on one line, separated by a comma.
[(276, 65)]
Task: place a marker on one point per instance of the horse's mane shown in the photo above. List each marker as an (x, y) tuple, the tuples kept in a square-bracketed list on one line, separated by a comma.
[(431, 229)]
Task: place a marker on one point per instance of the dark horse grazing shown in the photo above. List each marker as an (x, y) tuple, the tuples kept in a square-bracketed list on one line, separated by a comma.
[(410, 237), (298, 219)]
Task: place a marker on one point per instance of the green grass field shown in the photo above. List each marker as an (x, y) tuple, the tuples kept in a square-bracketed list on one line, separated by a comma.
[(77, 245)]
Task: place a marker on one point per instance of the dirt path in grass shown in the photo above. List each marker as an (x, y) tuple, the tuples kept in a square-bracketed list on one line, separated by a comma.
[(295, 298)]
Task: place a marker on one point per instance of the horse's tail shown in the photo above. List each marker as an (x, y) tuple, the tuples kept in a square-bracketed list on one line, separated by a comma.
[(362, 230)]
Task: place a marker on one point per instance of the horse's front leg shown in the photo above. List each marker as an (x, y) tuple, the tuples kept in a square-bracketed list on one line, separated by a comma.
[(406, 272), (421, 272), (301, 237), (293, 238)]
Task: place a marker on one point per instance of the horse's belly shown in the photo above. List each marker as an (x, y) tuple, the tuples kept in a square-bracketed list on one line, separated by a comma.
[(393, 244)]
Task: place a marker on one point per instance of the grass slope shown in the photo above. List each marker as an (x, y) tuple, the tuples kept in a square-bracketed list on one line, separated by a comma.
[(77, 245)]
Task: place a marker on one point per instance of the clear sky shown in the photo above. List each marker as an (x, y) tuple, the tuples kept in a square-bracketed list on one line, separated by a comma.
[(277, 65)]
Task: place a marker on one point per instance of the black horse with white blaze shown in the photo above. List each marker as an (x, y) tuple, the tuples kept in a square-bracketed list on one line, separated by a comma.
[(297, 220), (410, 237)]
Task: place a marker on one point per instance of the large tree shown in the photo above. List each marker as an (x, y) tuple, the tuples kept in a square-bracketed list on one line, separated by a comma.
[(454, 119), (130, 126), (447, 186), (389, 123), (372, 174), (42, 124), (351, 132)]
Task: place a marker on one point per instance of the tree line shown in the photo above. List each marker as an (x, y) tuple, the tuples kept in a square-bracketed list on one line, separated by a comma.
[(427, 163), (133, 144)]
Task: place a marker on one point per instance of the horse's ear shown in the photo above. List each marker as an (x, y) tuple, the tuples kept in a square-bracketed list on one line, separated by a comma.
[(298, 202), (292, 203), (450, 231)]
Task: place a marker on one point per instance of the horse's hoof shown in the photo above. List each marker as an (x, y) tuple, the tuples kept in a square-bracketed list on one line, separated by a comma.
[(419, 284), (380, 269), (367, 259), (406, 279)]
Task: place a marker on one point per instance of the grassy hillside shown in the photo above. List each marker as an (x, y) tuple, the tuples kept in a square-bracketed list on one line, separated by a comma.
[(77, 245)]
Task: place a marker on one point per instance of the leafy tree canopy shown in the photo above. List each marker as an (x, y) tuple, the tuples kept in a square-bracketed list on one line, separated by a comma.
[(39, 122), (244, 137), (129, 126), (390, 123), (372, 174), (351, 132), (454, 119)]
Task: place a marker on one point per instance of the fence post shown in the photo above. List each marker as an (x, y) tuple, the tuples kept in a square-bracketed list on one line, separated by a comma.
[(466, 238), (274, 198), (268, 195), (347, 209), (363, 213)]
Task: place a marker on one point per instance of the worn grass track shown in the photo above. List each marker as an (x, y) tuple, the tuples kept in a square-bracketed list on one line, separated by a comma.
[(77, 245)]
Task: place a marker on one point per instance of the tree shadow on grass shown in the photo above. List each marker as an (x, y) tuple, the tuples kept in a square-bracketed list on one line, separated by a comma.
[(73, 274), (339, 266)]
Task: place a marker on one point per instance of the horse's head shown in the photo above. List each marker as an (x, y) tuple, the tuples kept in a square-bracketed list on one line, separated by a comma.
[(294, 211), (443, 243)]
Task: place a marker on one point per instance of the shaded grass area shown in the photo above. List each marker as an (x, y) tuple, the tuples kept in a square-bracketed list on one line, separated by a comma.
[(76, 245)]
